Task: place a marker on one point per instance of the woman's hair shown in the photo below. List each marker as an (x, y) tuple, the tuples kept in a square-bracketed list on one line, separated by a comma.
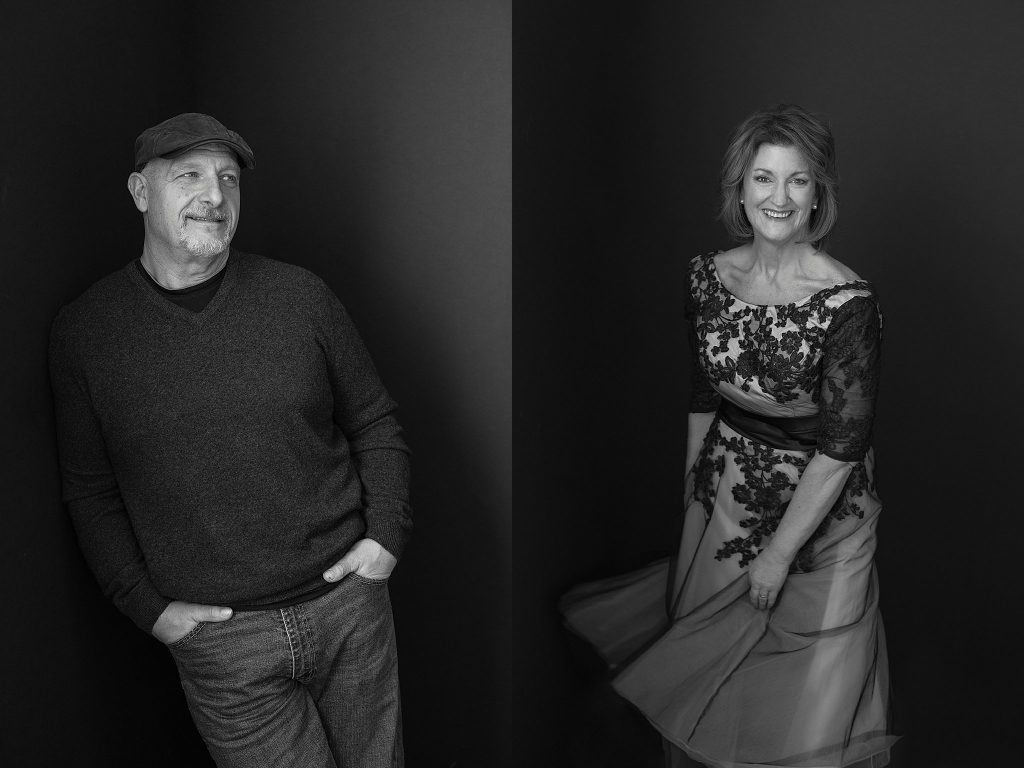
[(786, 125)]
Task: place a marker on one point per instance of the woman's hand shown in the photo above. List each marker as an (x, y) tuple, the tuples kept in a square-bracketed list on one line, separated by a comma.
[(767, 574)]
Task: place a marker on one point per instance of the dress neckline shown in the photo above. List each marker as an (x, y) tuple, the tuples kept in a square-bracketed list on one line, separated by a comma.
[(831, 290)]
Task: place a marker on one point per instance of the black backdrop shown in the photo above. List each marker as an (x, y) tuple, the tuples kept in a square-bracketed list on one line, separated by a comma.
[(628, 111), (383, 132)]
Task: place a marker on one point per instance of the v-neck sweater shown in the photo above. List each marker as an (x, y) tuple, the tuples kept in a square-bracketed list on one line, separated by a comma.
[(227, 456), (194, 298)]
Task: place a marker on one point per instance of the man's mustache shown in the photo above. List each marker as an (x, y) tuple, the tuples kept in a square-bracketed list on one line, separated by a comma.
[(207, 213)]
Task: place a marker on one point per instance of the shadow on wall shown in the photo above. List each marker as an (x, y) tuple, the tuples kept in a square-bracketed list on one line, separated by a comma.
[(394, 228), (384, 166)]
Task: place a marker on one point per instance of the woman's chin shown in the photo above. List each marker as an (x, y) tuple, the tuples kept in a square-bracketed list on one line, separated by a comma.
[(780, 235)]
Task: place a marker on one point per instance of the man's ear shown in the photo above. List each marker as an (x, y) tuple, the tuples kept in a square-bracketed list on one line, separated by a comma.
[(138, 187)]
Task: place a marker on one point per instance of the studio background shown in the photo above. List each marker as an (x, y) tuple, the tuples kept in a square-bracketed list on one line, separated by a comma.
[(628, 111), (382, 133)]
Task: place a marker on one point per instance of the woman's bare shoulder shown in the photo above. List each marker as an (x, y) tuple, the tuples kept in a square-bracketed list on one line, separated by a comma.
[(738, 257), (828, 270)]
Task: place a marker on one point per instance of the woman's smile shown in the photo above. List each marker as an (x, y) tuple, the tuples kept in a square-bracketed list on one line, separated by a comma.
[(778, 189)]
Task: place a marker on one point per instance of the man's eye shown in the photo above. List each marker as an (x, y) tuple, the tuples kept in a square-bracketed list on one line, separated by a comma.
[(229, 178)]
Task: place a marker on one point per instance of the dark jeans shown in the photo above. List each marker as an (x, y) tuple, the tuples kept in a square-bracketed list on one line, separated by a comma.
[(311, 686)]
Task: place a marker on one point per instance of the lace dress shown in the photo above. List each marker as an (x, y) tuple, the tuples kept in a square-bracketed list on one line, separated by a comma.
[(805, 684)]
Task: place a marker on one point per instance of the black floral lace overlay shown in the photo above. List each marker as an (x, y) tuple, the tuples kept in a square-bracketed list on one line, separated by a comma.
[(765, 494), (703, 396), (708, 469), (820, 353), (850, 368), (775, 350)]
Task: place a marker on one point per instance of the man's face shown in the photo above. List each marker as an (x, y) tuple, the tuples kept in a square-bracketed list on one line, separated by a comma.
[(193, 201)]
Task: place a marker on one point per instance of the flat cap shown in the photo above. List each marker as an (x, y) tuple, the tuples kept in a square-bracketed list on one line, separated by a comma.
[(188, 131)]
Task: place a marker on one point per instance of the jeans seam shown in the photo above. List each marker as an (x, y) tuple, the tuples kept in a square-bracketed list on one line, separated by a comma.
[(308, 646), (288, 636)]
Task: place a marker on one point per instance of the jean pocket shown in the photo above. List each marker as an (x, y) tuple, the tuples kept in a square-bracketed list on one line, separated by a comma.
[(181, 642), (367, 580)]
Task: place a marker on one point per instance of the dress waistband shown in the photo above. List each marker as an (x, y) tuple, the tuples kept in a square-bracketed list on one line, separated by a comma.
[(793, 433)]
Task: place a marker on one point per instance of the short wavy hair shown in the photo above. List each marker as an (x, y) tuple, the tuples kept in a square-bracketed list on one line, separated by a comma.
[(786, 125)]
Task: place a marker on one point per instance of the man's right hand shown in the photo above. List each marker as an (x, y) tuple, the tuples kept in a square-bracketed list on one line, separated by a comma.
[(179, 618)]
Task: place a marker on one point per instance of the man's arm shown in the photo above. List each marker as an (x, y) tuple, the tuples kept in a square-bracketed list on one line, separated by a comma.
[(97, 511), (90, 491), (364, 412)]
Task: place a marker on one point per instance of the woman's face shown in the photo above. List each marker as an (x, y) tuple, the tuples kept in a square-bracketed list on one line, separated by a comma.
[(778, 193)]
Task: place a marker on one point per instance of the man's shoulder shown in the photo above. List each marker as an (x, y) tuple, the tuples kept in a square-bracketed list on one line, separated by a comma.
[(286, 274), (101, 301), (285, 279)]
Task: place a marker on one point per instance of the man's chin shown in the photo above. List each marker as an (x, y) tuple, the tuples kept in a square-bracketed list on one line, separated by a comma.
[(203, 248)]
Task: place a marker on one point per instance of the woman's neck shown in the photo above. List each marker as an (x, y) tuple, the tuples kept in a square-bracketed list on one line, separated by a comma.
[(767, 258)]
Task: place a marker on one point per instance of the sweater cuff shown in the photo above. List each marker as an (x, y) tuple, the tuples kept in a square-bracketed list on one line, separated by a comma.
[(143, 605), (389, 530)]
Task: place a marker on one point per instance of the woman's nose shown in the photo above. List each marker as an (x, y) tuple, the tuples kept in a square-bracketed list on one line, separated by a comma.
[(780, 195)]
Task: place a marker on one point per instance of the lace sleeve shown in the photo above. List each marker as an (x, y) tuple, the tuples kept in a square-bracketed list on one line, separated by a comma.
[(849, 381), (703, 396)]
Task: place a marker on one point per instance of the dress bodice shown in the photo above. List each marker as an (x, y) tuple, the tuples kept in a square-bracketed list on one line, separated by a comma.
[(818, 355)]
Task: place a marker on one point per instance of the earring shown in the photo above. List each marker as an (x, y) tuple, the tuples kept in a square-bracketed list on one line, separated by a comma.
[(814, 207), (741, 201)]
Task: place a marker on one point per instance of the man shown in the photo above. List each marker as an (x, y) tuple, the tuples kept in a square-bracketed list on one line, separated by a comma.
[(234, 470)]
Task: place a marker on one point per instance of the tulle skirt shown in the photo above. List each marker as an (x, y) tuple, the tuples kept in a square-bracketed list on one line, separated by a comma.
[(803, 685)]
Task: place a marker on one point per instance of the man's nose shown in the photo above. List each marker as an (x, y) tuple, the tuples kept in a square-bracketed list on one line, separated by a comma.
[(211, 193)]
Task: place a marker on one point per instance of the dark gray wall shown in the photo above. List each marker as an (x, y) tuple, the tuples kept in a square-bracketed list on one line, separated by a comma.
[(77, 682), (629, 107), (383, 137), (383, 140)]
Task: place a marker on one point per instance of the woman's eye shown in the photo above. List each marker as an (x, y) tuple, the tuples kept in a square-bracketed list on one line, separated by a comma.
[(762, 179), (801, 182)]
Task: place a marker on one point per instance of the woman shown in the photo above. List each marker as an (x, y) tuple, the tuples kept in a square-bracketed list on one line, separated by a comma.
[(771, 650)]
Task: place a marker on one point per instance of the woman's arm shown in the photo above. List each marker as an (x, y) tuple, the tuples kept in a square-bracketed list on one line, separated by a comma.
[(850, 364), (818, 490), (820, 486), (704, 398)]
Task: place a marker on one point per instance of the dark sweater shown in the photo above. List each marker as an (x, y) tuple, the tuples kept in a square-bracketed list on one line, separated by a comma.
[(227, 456)]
